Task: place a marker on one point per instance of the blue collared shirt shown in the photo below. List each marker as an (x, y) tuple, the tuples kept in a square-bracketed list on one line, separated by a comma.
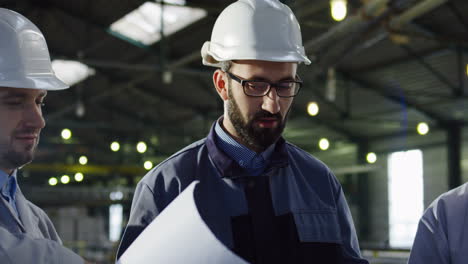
[(254, 163), (8, 187)]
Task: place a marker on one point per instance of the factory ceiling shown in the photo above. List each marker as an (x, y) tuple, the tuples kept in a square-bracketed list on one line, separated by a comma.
[(388, 66)]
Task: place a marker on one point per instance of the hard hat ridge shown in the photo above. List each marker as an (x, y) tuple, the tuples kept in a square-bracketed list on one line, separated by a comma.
[(24, 56), (255, 30), (263, 3)]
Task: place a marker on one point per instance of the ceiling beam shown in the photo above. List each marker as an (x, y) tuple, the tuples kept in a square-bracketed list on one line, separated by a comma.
[(456, 11), (396, 61), (444, 80), (377, 88), (461, 74), (346, 133)]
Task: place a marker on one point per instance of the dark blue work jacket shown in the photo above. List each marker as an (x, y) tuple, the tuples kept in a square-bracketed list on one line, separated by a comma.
[(295, 212)]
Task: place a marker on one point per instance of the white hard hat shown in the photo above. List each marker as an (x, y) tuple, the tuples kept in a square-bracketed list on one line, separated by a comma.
[(24, 57), (255, 30)]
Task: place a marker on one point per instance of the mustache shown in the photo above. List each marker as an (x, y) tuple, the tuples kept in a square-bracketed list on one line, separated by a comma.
[(27, 131), (266, 114)]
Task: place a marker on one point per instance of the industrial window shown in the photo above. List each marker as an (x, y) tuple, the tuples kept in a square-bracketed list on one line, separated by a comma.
[(405, 196), (115, 222)]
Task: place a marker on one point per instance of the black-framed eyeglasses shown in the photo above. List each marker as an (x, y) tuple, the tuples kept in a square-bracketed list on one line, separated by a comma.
[(256, 88)]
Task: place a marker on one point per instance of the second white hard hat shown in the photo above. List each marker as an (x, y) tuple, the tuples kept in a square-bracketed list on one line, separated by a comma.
[(255, 30), (24, 56)]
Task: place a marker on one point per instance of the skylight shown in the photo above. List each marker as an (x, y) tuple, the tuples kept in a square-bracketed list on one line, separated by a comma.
[(144, 23), (71, 72)]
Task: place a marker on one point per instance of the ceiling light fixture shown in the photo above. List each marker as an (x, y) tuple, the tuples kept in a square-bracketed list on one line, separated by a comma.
[(79, 176), (66, 134), (115, 146), (65, 179), (141, 147), (83, 160), (313, 109), (338, 9), (148, 165), (324, 144), (371, 157), (422, 128), (53, 181)]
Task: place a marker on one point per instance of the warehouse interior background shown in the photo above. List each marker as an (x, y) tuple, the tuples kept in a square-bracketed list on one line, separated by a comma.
[(384, 105)]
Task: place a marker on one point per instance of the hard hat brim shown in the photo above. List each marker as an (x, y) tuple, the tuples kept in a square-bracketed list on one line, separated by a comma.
[(213, 54), (47, 82)]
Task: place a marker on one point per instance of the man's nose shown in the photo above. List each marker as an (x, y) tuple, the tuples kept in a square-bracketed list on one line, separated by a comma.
[(33, 117), (271, 101)]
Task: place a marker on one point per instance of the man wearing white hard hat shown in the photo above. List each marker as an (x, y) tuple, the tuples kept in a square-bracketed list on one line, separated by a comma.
[(26, 233), (284, 205)]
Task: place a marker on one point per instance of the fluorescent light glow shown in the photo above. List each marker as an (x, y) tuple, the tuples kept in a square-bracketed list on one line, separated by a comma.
[(83, 160), (338, 9), (53, 181), (148, 165), (371, 157), (324, 144), (115, 146), (116, 196), (141, 147), (79, 176), (154, 140), (80, 109), (423, 128), (405, 196), (144, 23), (312, 109), (65, 179), (330, 88), (66, 134), (466, 69), (71, 72)]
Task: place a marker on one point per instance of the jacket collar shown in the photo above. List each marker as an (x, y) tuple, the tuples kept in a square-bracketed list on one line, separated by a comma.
[(23, 218), (229, 168), (29, 220)]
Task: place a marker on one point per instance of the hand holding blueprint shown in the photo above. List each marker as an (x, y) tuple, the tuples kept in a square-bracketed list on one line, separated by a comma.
[(179, 235)]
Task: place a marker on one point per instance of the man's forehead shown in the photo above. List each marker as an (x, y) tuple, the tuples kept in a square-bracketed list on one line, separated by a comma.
[(21, 92), (256, 69)]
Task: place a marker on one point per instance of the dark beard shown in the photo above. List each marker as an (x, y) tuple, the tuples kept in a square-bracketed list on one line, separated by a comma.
[(12, 159), (255, 138)]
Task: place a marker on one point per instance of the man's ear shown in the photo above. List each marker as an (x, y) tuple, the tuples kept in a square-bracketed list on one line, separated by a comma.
[(220, 83)]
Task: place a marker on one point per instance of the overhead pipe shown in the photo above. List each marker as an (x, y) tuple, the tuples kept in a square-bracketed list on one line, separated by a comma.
[(369, 10), (417, 10), (350, 24)]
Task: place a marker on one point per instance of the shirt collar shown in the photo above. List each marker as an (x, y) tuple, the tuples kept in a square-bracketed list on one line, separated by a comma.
[(244, 156), (229, 168), (8, 184)]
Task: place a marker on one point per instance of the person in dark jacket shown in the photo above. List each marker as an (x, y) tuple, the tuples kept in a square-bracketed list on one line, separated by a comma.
[(284, 205)]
